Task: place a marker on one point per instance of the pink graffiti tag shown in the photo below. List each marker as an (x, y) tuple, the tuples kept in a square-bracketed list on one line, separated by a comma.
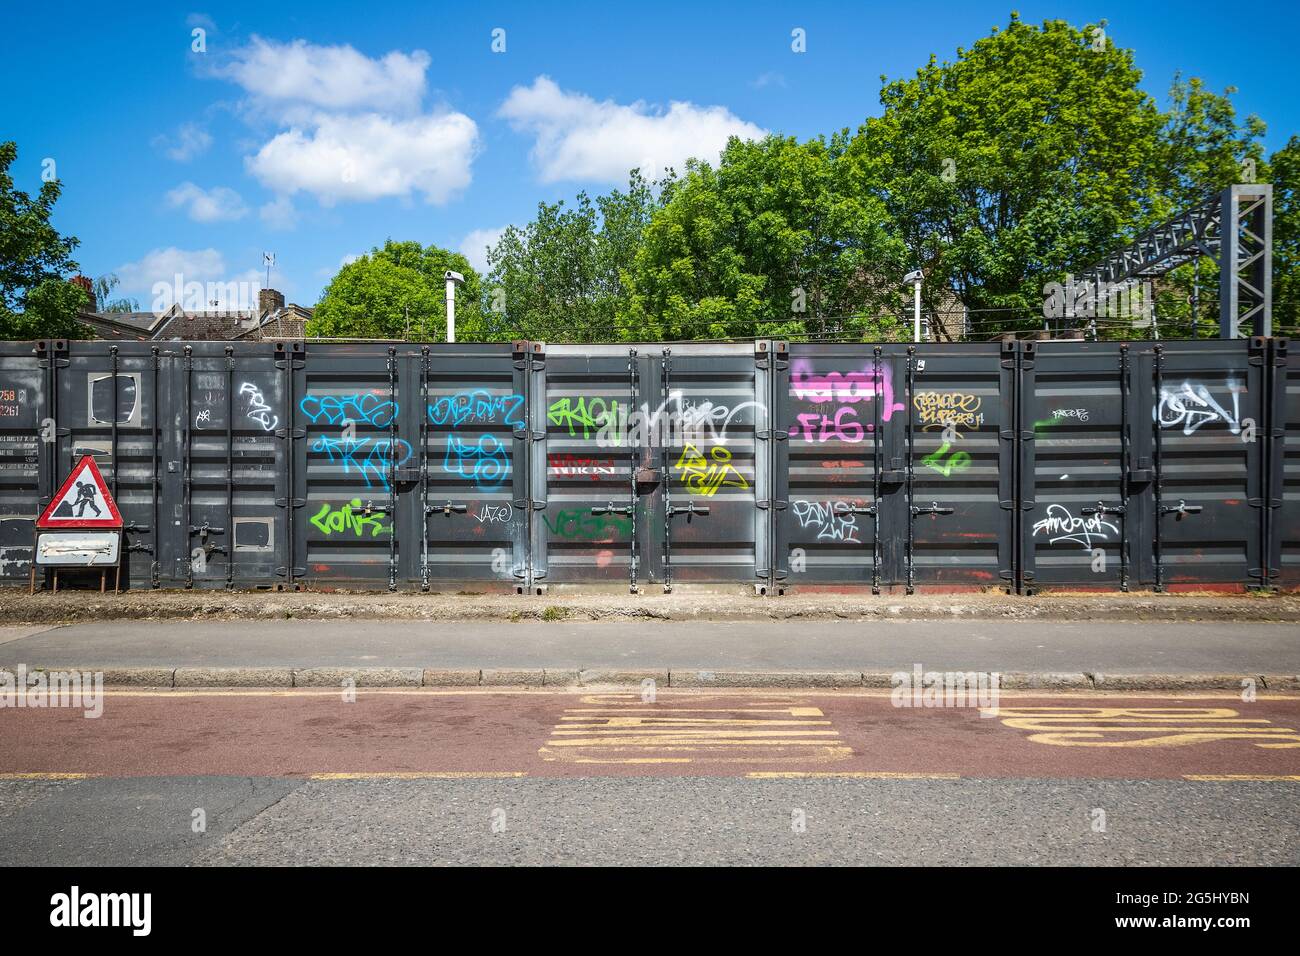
[(845, 389)]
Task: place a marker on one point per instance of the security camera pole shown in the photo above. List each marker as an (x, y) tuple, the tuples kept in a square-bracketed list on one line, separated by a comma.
[(453, 279), (915, 277)]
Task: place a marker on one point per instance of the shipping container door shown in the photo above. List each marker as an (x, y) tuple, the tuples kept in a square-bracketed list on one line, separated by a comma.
[(1202, 414), (356, 411), (25, 431), (473, 497), (1076, 418), (836, 406), (960, 509)]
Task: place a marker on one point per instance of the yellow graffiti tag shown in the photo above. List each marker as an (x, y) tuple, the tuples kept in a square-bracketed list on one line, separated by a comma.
[(626, 729), (1142, 726), (704, 477)]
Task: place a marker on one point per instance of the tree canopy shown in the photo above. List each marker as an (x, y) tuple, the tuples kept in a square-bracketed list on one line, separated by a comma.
[(36, 300), (1028, 156), (398, 291)]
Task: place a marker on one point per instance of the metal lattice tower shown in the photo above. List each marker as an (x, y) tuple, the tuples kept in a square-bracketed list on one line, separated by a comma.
[(1235, 229)]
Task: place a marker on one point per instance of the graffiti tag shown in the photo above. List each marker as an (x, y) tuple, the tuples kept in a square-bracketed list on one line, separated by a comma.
[(1061, 525), (351, 517)]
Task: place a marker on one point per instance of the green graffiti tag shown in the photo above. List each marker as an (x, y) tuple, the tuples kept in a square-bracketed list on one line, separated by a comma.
[(585, 415), (577, 525), (353, 517)]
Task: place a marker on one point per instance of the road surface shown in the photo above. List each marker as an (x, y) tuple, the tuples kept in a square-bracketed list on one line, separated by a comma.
[(481, 777)]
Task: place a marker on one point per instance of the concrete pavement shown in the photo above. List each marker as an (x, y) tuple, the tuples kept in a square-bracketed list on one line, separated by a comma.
[(1117, 654)]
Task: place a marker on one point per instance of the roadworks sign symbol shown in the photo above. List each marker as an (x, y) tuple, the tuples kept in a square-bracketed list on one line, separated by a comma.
[(83, 501)]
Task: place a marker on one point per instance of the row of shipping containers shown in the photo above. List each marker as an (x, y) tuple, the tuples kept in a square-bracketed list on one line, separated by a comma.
[(1014, 465)]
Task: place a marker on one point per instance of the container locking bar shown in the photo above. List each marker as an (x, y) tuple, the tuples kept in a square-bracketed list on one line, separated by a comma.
[(1101, 510)]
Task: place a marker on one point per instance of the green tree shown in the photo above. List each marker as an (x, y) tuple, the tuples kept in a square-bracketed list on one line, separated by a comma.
[(36, 300), (1285, 174), (397, 291), (103, 289), (1020, 159), (562, 275), (781, 238), (1202, 148)]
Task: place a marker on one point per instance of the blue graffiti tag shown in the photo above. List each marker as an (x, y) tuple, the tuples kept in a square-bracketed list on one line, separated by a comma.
[(362, 408), (484, 462), (478, 406), (370, 456)]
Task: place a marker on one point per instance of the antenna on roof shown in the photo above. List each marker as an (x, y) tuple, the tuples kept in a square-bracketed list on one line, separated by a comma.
[(268, 259)]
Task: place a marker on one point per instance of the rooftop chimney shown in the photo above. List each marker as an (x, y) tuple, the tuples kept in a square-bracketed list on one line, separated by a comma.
[(268, 301), (84, 283)]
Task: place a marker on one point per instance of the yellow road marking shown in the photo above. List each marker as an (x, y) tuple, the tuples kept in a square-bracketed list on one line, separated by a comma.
[(1241, 776), (1159, 726), (676, 692), (46, 776), (850, 775), (421, 775), (625, 729)]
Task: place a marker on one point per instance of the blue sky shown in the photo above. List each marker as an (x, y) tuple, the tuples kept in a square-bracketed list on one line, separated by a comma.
[(318, 130)]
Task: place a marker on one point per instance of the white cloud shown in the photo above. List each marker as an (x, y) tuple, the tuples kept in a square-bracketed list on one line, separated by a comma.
[(327, 77), (190, 140), (370, 157), (474, 247), (217, 204), (195, 278), (163, 265), (579, 138), (279, 214)]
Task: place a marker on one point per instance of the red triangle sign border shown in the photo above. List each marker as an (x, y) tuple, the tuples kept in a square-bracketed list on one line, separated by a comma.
[(49, 522)]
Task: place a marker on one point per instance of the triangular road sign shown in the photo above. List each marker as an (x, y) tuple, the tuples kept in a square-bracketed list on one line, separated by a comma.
[(83, 501)]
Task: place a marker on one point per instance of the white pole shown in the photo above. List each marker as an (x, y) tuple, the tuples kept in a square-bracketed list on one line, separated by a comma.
[(916, 311), (451, 309)]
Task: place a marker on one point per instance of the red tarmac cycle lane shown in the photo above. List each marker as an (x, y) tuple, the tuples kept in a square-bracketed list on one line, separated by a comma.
[(305, 733)]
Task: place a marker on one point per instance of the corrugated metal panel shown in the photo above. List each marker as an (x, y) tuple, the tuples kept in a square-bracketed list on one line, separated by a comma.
[(23, 374), (651, 465), (1054, 464), (1284, 468), (899, 465), (1142, 464)]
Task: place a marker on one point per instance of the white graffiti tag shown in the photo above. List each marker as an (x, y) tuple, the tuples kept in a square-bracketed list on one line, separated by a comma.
[(1193, 406), (258, 410), (494, 514), (830, 525), (1060, 525)]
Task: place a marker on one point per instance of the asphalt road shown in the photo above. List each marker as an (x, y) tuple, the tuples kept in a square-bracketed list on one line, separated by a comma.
[(1112, 647), (619, 821), (479, 777)]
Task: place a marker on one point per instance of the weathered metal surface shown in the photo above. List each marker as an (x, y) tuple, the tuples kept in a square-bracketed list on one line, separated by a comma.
[(648, 463), (1142, 464), (1283, 539), (899, 463), (1029, 465)]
